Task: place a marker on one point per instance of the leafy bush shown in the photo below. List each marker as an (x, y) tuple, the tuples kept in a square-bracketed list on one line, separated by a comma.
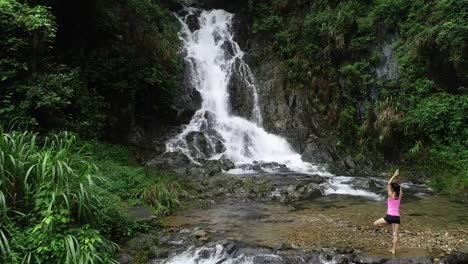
[(447, 166), (22, 27), (346, 124), (440, 118), (451, 28), (50, 83), (45, 199), (38, 93), (54, 101), (58, 207), (391, 12)]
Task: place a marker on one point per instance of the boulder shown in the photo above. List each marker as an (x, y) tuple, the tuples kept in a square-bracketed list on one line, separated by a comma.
[(142, 214), (314, 152), (365, 183), (349, 162), (226, 164), (170, 160), (455, 258), (293, 193), (212, 167), (125, 258), (201, 235), (158, 252), (192, 21)]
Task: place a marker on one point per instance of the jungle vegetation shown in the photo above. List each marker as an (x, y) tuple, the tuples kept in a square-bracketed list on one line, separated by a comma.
[(93, 68), (81, 67), (333, 49)]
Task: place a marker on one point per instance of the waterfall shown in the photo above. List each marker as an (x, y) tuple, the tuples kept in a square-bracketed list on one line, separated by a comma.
[(212, 57)]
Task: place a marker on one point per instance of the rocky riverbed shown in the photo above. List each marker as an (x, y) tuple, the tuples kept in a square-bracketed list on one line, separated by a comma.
[(298, 218)]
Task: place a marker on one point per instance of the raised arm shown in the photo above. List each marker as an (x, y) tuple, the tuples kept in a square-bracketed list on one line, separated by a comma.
[(399, 183), (389, 187)]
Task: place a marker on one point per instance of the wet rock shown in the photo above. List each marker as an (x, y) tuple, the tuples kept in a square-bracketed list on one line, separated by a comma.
[(191, 102), (211, 167), (140, 242), (365, 183), (226, 164), (184, 231), (230, 247), (315, 178), (159, 252), (349, 162), (240, 93), (170, 160), (293, 193), (386, 258), (388, 67), (142, 214), (200, 233), (315, 151), (196, 171), (125, 259), (198, 145), (275, 167), (455, 258), (258, 189), (192, 20)]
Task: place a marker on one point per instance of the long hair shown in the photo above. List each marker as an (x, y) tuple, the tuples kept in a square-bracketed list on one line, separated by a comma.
[(396, 189)]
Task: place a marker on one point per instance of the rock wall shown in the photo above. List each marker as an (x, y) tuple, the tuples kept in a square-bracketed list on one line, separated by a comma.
[(288, 111)]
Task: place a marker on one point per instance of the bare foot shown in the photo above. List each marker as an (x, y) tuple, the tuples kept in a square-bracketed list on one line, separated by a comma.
[(393, 251)]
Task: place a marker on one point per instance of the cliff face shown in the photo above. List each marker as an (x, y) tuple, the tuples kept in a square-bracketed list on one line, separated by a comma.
[(287, 110), (352, 83)]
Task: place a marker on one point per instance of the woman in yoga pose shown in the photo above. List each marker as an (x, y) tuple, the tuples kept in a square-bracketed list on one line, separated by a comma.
[(393, 208)]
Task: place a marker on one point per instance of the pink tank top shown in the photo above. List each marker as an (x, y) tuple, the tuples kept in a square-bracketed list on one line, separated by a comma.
[(393, 207)]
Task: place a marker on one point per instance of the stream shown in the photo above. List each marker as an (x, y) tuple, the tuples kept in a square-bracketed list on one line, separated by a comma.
[(272, 207), (319, 230)]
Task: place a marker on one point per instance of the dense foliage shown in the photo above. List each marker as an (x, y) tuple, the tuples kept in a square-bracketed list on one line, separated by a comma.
[(414, 110), (45, 189), (99, 68), (91, 67), (57, 206), (60, 71)]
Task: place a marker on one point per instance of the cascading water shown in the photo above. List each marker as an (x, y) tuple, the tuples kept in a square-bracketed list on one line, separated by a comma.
[(212, 57)]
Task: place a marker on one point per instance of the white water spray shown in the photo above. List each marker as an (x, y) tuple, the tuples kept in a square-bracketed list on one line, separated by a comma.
[(213, 132)]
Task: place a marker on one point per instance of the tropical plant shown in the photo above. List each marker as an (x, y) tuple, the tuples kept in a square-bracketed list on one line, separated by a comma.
[(44, 199)]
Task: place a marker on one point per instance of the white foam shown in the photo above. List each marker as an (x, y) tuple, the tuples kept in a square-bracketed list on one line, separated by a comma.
[(211, 68), (218, 255), (341, 185)]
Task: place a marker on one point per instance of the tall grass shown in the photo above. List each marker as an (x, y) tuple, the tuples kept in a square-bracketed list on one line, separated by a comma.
[(56, 205), (163, 194), (135, 184), (45, 199)]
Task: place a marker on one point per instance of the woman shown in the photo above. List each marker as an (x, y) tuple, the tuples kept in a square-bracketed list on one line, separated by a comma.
[(393, 208)]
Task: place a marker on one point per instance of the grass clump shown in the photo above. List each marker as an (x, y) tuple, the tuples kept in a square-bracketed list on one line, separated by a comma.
[(46, 202), (62, 201), (134, 184)]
